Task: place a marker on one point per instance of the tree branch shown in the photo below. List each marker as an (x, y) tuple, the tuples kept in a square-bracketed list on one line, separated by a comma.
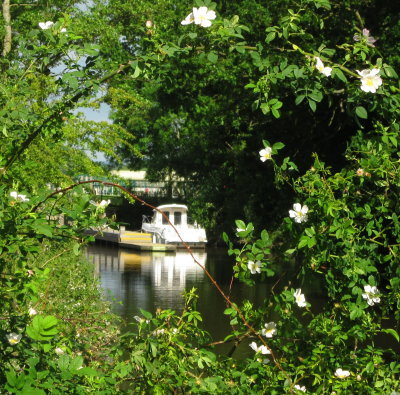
[(57, 114)]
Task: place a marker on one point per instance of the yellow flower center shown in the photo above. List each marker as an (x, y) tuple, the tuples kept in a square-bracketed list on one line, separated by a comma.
[(370, 82)]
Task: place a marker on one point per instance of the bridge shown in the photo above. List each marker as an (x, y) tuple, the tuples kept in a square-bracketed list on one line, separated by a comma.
[(135, 182)]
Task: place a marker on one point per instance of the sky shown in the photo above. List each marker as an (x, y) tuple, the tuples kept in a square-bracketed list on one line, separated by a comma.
[(102, 114)]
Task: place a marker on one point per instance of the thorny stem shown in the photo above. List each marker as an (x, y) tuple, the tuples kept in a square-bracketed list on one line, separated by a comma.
[(187, 247)]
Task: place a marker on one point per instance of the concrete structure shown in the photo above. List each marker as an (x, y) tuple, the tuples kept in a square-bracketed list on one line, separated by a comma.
[(134, 240)]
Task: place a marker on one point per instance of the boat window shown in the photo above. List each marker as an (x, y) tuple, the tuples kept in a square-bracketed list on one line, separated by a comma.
[(177, 218), (164, 220)]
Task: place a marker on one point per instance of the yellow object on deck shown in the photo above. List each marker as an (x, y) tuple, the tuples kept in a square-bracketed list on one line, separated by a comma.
[(136, 237)]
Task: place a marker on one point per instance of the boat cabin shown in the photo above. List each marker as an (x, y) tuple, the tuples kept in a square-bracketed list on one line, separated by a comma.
[(191, 234), (176, 213)]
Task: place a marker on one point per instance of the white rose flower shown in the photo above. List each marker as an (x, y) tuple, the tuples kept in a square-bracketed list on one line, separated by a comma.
[(46, 25), (265, 154), (15, 195), (102, 204), (269, 330), (32, 311), (300, 298), (321, 68), (200, 16), (371, 295), (342, 374), (254, 267), (299, 213), (370, 80), (13, 338), (59, 351), (260, 349)]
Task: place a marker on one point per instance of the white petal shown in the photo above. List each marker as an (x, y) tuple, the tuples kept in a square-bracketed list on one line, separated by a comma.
[(264, 350), (304, 209), (202, 10), (211, 15), (188, 20), (205, 23), (292, 214), (327, 71), (367, 288), (367, 88), (363, 73), (297, 207), (254, 346)]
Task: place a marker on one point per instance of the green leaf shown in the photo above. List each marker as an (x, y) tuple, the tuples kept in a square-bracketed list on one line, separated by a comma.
[(63, 362), (355, 313), (336, 72), (137, 72), (270, 36), (303, 242), (43, 229), (76, 249), (265, 108), (240, 224), (146, 314), (277, 146), (299, 99), (389, 71), (266, 143), (275, 113), (240, 48), (42, 328), (392, 332), (316, 96), (75, 364), (212, 57), (361, 112), (312, 104)]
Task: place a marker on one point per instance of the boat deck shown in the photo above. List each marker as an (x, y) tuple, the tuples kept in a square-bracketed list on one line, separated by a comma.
[(133, 240)]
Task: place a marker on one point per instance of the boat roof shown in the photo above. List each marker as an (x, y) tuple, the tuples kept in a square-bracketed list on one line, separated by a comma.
[(171, 206)]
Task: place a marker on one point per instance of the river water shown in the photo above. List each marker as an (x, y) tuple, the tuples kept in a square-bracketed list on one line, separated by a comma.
[(134, 280)]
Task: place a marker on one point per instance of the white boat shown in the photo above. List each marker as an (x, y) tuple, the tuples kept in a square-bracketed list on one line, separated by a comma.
[(192, 234)]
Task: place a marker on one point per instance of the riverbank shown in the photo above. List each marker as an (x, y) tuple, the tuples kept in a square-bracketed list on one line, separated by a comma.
[(62, 335)]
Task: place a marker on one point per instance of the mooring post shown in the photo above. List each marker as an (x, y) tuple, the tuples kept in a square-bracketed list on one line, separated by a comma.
[(121, 232)]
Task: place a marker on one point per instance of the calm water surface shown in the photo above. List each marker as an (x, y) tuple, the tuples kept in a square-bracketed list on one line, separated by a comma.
[(143, 280)]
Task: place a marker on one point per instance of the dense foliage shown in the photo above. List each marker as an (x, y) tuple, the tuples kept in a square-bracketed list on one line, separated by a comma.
[(240, 82), (286, 115)]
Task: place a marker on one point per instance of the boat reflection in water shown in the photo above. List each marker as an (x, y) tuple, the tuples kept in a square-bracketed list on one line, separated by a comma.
[(146, 280)]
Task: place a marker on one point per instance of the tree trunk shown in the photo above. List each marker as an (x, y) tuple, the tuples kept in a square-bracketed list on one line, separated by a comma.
[(7, 26)]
